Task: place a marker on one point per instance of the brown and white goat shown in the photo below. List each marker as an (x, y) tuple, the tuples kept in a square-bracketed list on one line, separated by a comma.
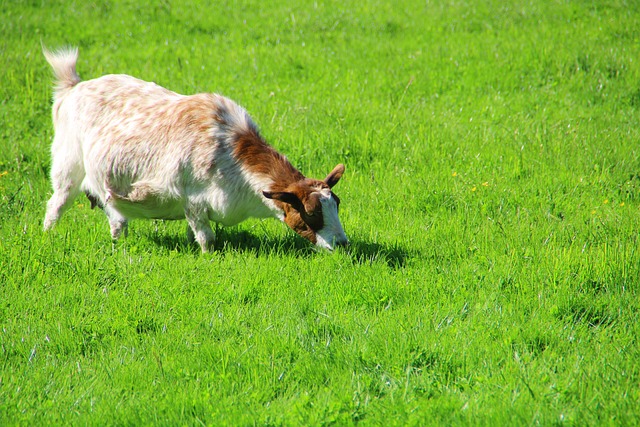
[(141, 151)]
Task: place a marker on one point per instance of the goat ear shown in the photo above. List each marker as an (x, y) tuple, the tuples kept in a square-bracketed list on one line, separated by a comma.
[(334, 176), (311, 203), (283, 196)]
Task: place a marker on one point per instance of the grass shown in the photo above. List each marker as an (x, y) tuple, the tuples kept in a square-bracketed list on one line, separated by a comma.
[(492, 198)]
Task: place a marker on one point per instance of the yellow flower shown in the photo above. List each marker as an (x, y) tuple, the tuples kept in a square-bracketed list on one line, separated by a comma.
[(474, 188), (4, 173), (485, 184), (606, 201), (454, 174)]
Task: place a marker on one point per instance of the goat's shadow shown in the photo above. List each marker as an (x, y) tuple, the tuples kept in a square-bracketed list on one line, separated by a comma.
[(360, 251), (363, 252), (236, 240)]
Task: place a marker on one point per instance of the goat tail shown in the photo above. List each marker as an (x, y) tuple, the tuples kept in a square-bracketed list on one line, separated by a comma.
[(63, 62)]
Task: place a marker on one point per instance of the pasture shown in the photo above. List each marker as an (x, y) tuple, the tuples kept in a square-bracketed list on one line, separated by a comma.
[(491, 198)]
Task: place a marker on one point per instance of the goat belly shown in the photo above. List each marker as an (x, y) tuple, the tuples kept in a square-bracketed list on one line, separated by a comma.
[(149, 205)]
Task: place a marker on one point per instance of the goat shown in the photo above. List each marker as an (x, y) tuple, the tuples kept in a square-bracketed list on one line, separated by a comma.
[(139, 150)]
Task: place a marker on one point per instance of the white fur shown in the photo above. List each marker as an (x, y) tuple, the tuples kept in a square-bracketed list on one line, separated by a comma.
[(332, 232)]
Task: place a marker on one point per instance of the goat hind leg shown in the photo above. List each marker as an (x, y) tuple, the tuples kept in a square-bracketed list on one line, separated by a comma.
[(66, 180)]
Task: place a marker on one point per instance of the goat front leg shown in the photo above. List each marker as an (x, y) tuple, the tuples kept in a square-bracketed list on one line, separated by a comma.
[(200, 228), (117, 222)]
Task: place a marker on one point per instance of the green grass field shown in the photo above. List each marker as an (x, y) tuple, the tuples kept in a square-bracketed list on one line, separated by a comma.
[(492, 200)]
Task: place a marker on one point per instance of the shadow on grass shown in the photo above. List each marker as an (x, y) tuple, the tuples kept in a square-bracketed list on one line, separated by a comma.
[(363, 252), (239, 241), (230, 239)]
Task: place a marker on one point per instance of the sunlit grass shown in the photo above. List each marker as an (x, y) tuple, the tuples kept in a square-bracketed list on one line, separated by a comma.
[(492, 197)]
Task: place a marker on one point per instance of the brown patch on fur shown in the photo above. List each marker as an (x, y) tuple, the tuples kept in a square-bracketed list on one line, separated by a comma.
[(261, 159), (294, 219), (304, 215), (302, 208)]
